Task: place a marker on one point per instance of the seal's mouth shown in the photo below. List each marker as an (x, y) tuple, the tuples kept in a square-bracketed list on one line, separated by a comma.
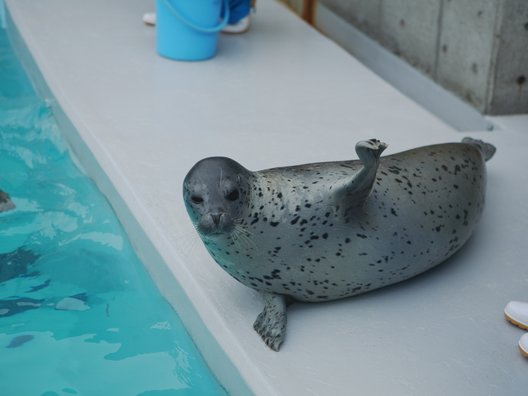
[(214, 224), (210, 232)]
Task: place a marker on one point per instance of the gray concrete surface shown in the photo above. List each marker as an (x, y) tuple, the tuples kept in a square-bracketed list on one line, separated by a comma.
[(466, 49), (410, 29), (400, 74), (510, 81), (476, 49)]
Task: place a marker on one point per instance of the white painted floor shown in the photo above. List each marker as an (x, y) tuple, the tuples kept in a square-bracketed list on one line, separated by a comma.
[(283, 94)]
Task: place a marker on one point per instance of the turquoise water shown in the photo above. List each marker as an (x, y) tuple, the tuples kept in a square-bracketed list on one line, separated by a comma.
[(79, 314)]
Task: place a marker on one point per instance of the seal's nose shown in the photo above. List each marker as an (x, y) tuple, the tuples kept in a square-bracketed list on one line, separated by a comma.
[(216, 218)]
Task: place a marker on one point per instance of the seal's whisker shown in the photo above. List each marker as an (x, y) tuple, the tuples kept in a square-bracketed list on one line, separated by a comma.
[(235, 237), (236, 241), (243, 236), (240, 228)]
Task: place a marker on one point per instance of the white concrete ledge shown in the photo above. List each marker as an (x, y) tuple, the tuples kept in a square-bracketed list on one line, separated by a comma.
[(281, 94)]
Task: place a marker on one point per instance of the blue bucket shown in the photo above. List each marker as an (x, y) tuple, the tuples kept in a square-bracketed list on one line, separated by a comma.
[(188, 29)]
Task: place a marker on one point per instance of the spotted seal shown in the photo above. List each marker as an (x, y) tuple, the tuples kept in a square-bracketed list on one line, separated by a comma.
[(325, 231)]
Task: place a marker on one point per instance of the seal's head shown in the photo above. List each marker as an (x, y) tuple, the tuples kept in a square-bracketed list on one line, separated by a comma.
[(215, 192)]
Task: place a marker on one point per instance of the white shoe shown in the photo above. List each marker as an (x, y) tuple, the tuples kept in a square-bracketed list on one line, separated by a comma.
[(241, 26), (523, 345), (516, 312), (149, 18)]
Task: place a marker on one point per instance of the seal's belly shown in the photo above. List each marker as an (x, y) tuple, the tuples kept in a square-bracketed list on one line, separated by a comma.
[(422, 209)]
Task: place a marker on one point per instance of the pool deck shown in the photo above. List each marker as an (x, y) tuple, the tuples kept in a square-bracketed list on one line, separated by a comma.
[(281, 94)]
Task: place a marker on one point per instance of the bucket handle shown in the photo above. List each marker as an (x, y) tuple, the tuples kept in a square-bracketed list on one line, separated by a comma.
[(212, 29)]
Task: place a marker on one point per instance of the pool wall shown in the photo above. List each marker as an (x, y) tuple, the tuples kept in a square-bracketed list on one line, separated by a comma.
[(91, 163)]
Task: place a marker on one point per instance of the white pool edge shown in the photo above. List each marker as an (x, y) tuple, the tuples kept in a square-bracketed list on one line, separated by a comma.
[(228, 363)]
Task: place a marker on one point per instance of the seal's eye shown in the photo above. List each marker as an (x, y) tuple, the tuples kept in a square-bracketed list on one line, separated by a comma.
[(196, 199), (232, 196)]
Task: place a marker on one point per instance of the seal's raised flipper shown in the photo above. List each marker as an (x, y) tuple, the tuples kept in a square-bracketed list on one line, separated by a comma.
[(355, 191), (487, 149), (271, 322)]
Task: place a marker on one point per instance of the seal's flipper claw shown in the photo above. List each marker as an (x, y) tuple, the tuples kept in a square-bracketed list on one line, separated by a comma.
[(369, 151), (271, 322)]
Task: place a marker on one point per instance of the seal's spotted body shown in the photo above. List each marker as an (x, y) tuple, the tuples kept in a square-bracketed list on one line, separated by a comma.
[(325, 231)]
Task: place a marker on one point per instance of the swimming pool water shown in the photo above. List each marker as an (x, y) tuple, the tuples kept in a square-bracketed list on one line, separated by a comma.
[(79, 314)]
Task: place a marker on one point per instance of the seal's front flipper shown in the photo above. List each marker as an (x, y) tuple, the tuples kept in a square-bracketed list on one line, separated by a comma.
[(354, 192), (271, 322)]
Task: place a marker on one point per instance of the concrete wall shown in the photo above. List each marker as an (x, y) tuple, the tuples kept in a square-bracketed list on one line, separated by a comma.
[(477, 49), (510, 80), (295, 5)]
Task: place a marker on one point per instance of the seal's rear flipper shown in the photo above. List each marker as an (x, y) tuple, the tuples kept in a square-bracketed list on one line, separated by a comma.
[(487, 149)]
